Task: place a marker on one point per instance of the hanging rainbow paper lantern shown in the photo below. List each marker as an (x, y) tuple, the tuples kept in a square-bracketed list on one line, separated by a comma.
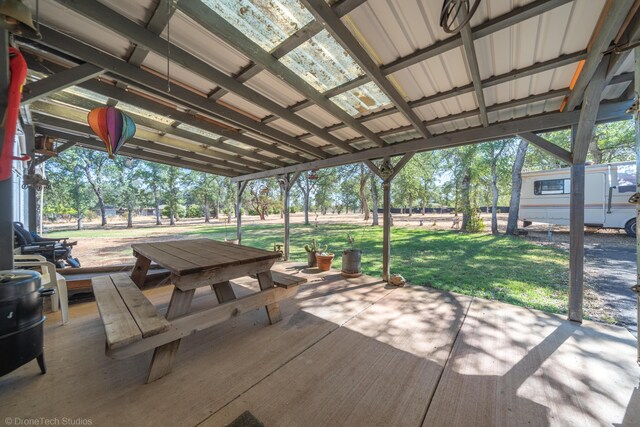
[(112, 126)]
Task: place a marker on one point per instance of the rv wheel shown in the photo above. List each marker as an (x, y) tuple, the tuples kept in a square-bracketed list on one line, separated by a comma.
[(630, 227)]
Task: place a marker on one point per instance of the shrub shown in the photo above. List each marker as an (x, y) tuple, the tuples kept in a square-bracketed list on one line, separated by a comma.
[(476, 223), (180, 211), (194, 211)]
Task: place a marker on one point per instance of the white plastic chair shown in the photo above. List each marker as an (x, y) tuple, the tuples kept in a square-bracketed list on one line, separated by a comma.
[(50, 279)]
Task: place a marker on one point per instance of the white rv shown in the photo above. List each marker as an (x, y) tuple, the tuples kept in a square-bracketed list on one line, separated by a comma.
[(545, 196)]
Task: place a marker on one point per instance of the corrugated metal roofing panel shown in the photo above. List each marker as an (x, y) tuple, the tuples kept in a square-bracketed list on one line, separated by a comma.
[(57, 16), (318, 116), (345, 133), (391, 121), (178, 73), (244, 105), (286, 127), (139, 11), (434, 75), (275, 89), (193, 38)]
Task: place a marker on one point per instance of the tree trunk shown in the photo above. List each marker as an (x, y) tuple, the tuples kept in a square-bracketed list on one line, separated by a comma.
[(130, 216), (158, 213), (596, 153), (363, 194), (494, 206), (172, 216), (516, 186), (374, 198), (207, 213), (465, 198), (98, 191), (103, 210)]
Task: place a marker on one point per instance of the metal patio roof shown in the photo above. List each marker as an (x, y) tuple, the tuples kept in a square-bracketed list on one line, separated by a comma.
[(347, 82)]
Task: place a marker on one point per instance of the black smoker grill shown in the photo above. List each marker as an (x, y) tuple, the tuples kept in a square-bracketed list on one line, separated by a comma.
[(21, 319)]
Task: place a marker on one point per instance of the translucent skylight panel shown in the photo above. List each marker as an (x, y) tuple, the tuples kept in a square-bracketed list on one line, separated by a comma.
[(199, 131), (84, 93), (322, 62), (361, 100), (267, 22), (128, 108)]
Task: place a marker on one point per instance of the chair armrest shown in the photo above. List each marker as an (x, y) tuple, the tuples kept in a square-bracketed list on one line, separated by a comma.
[(29, 258), (44, 265)]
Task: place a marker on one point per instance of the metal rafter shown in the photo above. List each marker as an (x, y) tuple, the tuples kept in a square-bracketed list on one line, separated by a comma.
[(137, 153), (323, 13), (217, 25), (472, 62), (212, 149), (145, 102), (157, 85), (56, 116), (103, 15), (551, 148), (540, 123), (614, 13), (59, 81), (491, 81), (157, 23)]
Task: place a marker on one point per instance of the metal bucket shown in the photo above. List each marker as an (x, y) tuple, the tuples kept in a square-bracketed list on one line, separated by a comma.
[(351, 260)]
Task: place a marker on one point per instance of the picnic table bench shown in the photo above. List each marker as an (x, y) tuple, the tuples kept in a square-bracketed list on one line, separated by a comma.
[(133, 324)]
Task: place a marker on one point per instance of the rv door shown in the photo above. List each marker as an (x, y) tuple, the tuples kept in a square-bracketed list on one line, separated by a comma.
[(595, 196)]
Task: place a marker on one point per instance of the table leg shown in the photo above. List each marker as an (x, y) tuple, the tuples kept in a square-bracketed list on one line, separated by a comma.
[(273, 310), (224, 291), (164, 355), (139, 272)]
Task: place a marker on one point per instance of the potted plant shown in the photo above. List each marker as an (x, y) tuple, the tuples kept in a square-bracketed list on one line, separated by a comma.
[(324, 259), (351, 259), (312, 250)]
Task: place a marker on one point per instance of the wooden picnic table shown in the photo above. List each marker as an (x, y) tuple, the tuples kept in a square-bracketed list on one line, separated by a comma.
[(198, 263)]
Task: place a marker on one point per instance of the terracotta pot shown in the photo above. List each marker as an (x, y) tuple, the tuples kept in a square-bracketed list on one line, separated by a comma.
[(324, 261), (311, 259)]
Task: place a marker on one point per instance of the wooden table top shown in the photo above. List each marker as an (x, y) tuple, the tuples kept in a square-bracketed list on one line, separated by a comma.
[(193, 255)]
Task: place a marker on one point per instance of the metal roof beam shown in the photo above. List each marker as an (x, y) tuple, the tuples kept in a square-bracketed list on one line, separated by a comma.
[(58, 122), (219, 26), (59, 81), (551, 148), (472, 62), (543, 122), (158, 22), (103, 15), (138, 153), (157, 85), (491, 81), (212, 147), (589, 113), (129, 96), (613, 15), (323, 13)]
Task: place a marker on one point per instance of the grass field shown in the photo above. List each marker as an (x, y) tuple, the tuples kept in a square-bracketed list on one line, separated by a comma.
[(495, 267)]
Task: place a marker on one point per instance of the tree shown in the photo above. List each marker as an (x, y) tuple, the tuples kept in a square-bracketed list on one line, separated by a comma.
[(362, 191), (374, 197), (130, 192), (494, 150), (155, 176), (262, 198), (516, 187), (205, 191), (172, 190), (93, 164), (407, 185), (306, 185)]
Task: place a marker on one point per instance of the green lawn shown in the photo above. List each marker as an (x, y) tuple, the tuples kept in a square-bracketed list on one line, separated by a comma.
[(495, 267)]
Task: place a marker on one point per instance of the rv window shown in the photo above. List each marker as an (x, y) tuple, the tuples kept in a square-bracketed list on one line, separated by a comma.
[(552, 186), (626, 178)]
